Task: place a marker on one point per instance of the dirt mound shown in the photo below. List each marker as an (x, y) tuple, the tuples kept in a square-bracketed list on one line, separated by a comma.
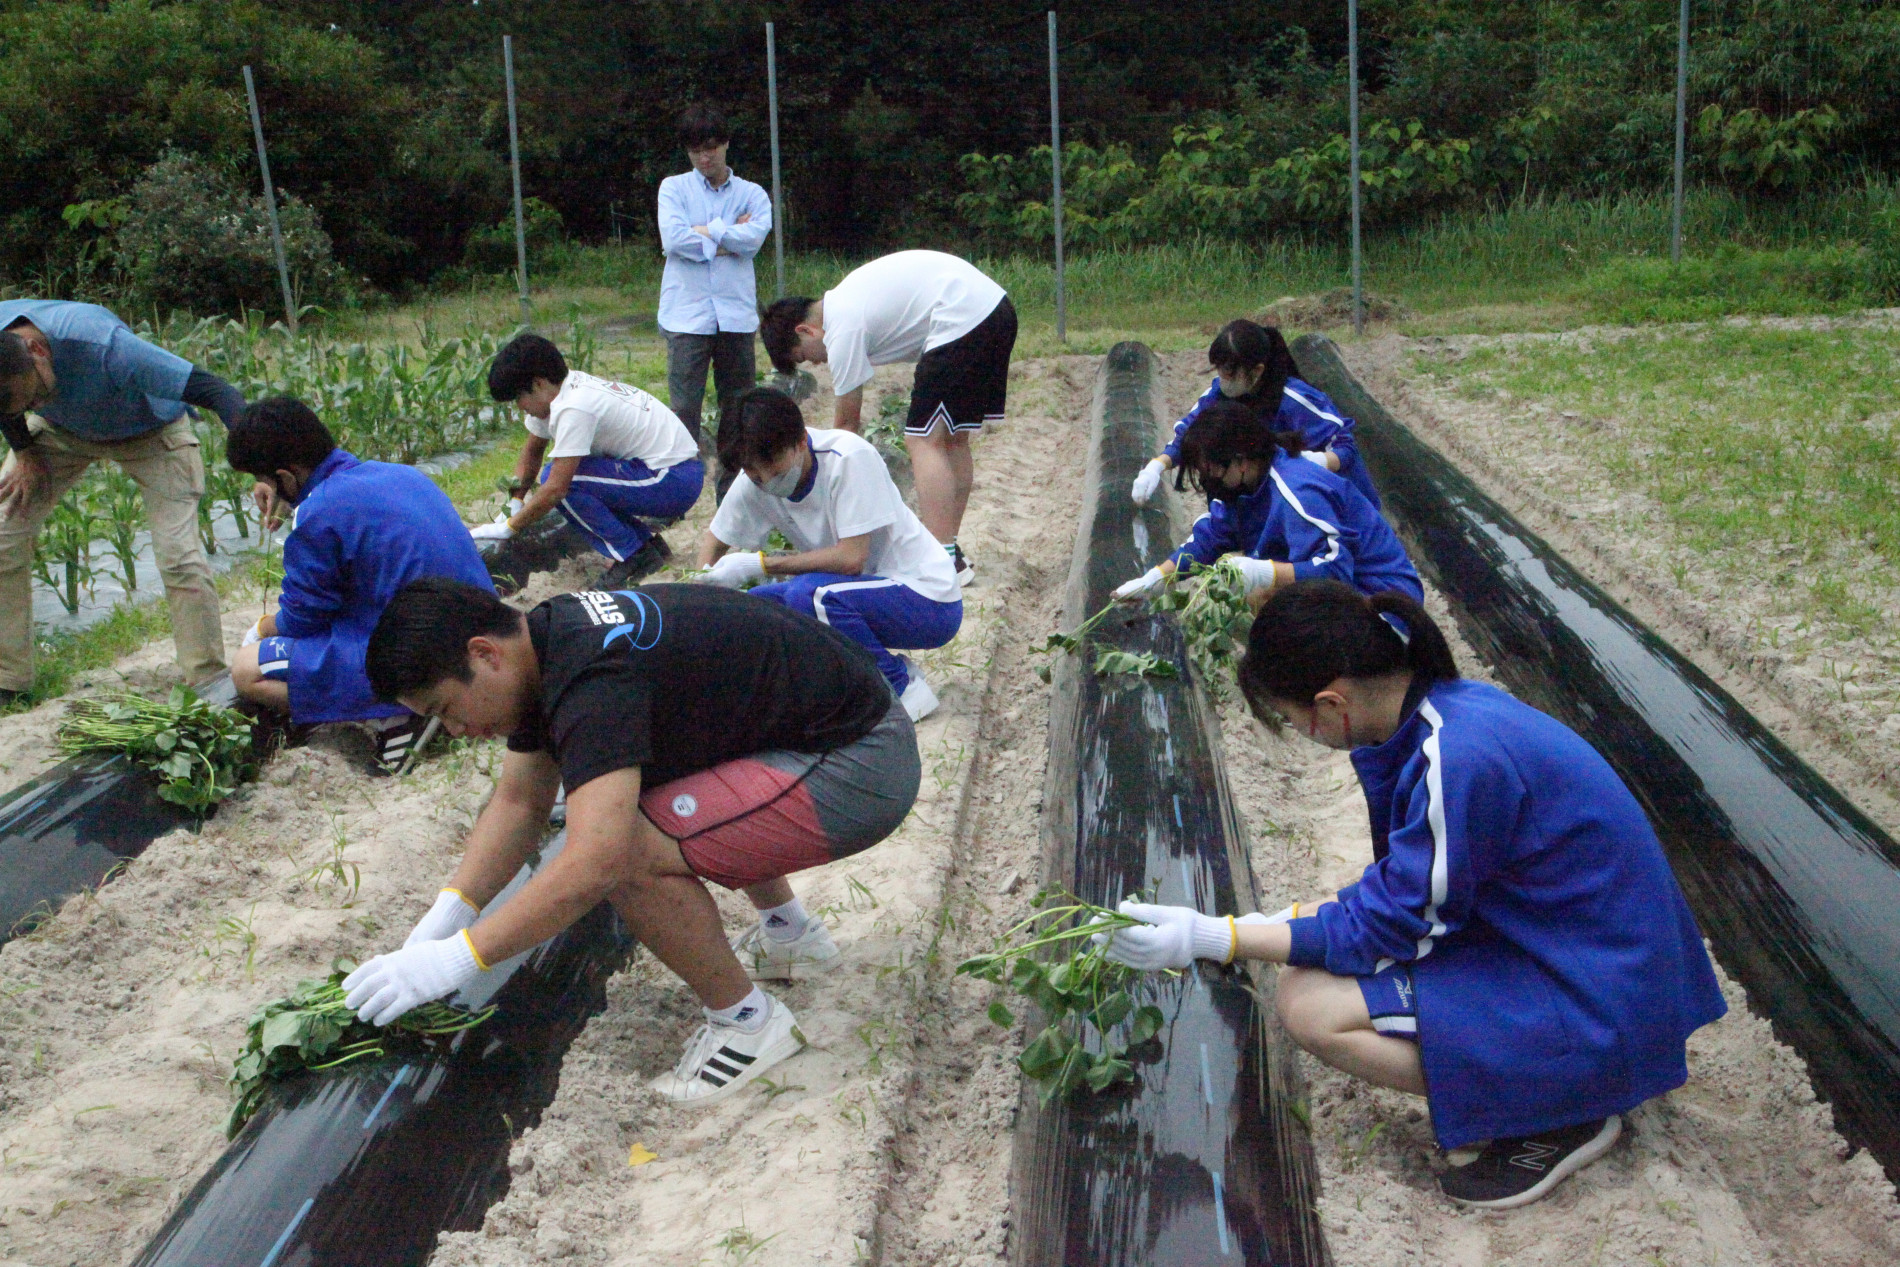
[(1328, 310)]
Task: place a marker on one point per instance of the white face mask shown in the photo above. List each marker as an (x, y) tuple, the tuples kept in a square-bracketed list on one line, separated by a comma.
[(1239, 385), (785, 483)]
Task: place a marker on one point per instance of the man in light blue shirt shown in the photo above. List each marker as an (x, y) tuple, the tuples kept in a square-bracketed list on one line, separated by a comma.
[(711, 225), (98, 392)]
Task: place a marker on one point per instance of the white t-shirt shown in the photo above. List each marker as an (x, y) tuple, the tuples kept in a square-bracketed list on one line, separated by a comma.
[(899, 307), (601, 418), (852, 495)]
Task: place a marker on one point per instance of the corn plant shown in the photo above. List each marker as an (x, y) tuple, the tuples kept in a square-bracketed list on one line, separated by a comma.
[(1081, 992), (66, 541), (312, 1029), (117, 503)]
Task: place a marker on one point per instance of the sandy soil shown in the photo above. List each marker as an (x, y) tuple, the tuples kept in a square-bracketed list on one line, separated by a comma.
[(119, 1017), (1741, 1166), (888, 1138)]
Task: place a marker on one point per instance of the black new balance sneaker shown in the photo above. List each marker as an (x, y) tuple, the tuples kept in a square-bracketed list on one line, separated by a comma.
[(1513, 1172)]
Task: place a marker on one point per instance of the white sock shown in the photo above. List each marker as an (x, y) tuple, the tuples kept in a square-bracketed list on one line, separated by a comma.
[(787, 922), (950, 547), (747, 1015)]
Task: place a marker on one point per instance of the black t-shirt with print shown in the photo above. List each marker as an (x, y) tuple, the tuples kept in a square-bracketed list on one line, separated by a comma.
[(676, 679)]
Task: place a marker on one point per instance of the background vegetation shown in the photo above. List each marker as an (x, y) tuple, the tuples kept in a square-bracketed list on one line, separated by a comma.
[(126, 169)]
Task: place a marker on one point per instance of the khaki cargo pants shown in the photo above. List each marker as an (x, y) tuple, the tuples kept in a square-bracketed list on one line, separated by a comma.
[(171, 474)]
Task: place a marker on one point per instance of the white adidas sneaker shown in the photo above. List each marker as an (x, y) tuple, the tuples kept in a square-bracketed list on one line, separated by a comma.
[(811, 954), (918, 699), (721, 1059)]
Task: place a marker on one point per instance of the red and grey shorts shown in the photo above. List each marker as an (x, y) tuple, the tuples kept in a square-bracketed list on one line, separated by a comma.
[(768, 815)]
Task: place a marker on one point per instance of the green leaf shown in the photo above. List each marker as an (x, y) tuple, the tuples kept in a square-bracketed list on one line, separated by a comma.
[(1144, 664), (286, 1029), (1026, 976), (1112, 1011), (1001, 1015), (1148, 1023), (1046, 1055)]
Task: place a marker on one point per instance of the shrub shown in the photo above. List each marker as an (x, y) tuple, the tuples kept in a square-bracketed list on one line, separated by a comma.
[(191, 239), (492, 250)]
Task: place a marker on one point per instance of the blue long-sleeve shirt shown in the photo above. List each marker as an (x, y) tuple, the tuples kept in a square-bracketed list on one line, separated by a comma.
[(360, 532), (701, 290), (1311, 414), (1557, 971), (1312, 519)]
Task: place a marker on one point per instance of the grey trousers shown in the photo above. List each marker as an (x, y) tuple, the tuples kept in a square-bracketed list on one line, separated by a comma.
[(687, 355)]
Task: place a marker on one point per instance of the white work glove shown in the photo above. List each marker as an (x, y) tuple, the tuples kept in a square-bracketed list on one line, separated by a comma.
[(497, 531), (735, 571), (514, 508), (390, 985), (254, 634), (1172, 937), (450, 915), (1141, 586), (1148, 483), (1258, 573), (1318, 458)]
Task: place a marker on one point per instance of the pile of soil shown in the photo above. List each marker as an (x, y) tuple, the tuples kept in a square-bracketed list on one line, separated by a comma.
[(1329, 310)]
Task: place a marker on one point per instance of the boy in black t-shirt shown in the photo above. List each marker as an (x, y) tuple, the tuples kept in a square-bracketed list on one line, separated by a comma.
[(702, 735)]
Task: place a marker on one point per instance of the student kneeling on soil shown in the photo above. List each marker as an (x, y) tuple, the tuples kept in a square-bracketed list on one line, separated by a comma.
[(1281, 518), (701, 735), (865, 564), (615, 456), (1518, 952), (1253, 366), (360, 531)]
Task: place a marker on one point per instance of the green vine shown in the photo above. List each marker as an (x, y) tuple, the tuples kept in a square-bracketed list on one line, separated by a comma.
[(199, 751)]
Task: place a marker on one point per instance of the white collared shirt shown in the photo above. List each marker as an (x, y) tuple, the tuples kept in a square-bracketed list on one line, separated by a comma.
[(703, 291)]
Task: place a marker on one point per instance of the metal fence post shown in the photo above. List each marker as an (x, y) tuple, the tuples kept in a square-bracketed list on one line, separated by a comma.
[(771, 105), (270, 204), (1055, 164), (1352, 77), (514, 158), (1682, 130)]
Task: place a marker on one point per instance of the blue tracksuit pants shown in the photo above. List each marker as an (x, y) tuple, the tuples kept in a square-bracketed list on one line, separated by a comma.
[(609, 497), (873, 611)]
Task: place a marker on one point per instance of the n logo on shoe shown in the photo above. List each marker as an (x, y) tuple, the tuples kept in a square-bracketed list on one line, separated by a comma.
[(1535, 1155)]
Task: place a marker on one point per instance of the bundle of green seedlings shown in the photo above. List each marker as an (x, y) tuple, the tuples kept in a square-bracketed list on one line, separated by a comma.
[(313, 1029), (1214, 619), (199, 752), (1108, 660), (1051, 959)]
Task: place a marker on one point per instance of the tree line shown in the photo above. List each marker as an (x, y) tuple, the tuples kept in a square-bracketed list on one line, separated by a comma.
[(127, 145)]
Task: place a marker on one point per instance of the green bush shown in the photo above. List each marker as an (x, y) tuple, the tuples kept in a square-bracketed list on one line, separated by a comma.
[(492, 250), (191, 239)]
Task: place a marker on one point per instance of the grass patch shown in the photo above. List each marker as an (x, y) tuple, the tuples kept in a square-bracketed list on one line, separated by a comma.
[(1770, 450), (1798, 281)]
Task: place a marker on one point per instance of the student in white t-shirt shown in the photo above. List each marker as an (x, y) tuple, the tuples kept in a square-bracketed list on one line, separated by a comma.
[(613, 456), (924, 306), (863, 562)]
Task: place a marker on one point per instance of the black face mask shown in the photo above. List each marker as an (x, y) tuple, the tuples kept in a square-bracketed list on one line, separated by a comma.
[(1221, 490)]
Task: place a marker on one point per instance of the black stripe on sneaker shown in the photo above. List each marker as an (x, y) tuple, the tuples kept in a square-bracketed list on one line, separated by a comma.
[(716, 1081), (715, 1063), (739, 1056)]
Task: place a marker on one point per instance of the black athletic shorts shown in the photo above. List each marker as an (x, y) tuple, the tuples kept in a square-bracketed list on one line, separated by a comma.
[(964, 383)]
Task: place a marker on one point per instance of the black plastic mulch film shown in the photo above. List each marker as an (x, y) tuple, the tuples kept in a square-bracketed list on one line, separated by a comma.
[(367, 1165), (1200, 1161), (1797, 891)]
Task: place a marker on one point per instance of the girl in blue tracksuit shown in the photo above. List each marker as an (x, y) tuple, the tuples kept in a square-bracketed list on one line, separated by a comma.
[(1518, 951), (1287, 519), (1253, 366)]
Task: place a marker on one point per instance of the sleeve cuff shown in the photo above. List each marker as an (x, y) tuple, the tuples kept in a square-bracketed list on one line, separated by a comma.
[(1309, 942)]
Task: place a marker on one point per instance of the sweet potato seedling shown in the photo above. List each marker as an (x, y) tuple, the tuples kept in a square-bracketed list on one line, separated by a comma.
[(1058, 966)]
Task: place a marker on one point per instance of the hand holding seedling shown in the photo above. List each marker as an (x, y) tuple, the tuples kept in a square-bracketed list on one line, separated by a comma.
[(392, 985), (1083, 988)]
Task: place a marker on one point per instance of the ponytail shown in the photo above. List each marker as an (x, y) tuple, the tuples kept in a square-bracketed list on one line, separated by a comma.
[(1313, 633)]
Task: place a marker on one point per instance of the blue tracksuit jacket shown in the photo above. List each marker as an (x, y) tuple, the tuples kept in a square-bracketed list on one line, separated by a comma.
[(1313, 519), (361, 531), (1309, 412), (1557, 969)]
